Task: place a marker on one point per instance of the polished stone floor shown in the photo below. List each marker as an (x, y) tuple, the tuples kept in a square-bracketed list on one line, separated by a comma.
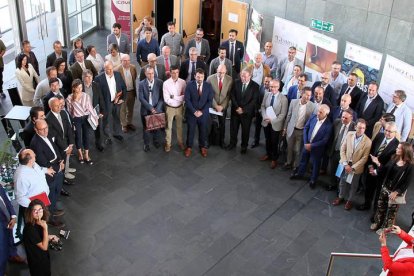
[(137, 213)]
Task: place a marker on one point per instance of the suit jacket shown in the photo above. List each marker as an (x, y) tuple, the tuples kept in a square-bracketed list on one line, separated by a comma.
[(97, 97), (194, 102), (373, 112), (174, 60), (106, 94), (132, 70), (324, 101), (292, 93), (9, 207), (358, 155), (262, 92), (160, 73), (336, 113), (280, 107), (321, 139), (50, 60), (328, 94), (184, 68), (77, 71), (27, 134), (337, 125), (45, 156), (238, 55), (63, 137), (46, 99), (356, 94), (387, 153), (246, 101), (215, 64), (292, 115), (205, 49), (123, 43), (221, 97), (157, 97), (282, 67)]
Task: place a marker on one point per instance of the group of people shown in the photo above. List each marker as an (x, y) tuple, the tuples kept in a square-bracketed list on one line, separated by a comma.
[(331, 124)]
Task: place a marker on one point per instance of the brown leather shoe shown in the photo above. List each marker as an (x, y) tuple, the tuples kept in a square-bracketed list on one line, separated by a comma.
[(273, 165), (337, 201), (124, 129), (348, 205), (131, 127), (187, 152), (264, 158), (167, 148), (204, 152), (181, 145)]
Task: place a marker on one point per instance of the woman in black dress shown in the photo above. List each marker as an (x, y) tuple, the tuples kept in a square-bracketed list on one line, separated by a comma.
[(65, 75), (36, 239), (397, 175)]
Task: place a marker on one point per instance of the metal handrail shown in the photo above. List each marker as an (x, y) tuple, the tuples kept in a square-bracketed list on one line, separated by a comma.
[(350, 255)]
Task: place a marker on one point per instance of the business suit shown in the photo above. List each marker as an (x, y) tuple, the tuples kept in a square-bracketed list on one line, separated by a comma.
[(123, 45), (97, 99), (50, 60), (281, 73), (258, 115), (293, 93), (45, 158), (27, 134), (127, 108), (329, 92), (111, 109), (173, 60), (159, 72), (7, 248), (294, 132), (372, 113), (318, 146), (63, 136), (356, 94), (214, 64), (272, 129), (238, 55), (185, 67), (248, 102), (77, 70), (146, 107), (336, 114), (46, 99), (222, 98), (195, 102), (358, 155), (205, 49)]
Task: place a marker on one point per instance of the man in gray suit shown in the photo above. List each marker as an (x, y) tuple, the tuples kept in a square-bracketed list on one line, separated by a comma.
[(299, 112), (221, 59), (152, 102), (201, 44), (274, 109), (167, 60), (287, 64), (159, 69), (119, 38)]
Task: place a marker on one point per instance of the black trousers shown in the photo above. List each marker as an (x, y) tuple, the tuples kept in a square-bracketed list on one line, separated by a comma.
[(1, 79), (272, 142), (258, 127), (372, 190), (245, 120)]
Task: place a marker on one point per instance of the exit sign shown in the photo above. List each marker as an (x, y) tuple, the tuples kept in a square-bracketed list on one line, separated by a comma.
[(322, 25)]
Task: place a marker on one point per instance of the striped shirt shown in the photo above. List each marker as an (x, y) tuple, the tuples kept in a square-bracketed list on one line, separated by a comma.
[(80, 107)]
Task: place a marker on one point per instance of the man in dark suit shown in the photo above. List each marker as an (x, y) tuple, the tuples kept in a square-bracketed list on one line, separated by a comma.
[(159, 69), (316, 135), (198, 99), (113, 90), (81, 65), (243, 107), (48, 155), (295, 91), (54, 91), (234, 51), (383, 148), (152, 102), (336, 113), (370, 107), (329, 91), (189, 66), (319, 97), (201, 44), (36, 113), (93, 90), (352, 89), (264, 88), (58, 53)]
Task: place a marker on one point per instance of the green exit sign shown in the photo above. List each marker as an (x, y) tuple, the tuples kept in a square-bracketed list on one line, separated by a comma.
[(322, 25)]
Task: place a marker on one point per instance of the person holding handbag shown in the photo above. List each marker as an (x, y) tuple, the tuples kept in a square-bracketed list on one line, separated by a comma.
[(397, 175)]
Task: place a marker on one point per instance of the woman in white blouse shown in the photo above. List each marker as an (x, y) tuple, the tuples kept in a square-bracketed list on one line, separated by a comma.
[(27, 80), (115, 55), (96, 58)]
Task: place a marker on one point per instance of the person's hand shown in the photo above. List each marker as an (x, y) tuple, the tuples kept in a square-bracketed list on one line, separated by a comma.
[(348, 169), (53, 238), (219, 108), (266, 120), (11, 224), (396, 229), (284, 132), (393, 195), (239, 110), (153, 111), (383, 239), (101, 115), (69, 151), (42, 223), (308, 147), (375, 160), (51, 172), (198, 113), (61, 165)]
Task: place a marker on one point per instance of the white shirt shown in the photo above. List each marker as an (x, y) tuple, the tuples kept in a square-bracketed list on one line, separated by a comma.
[(50, 146), (403, 116), (198, 46), (258, 74), (316, 128), (111, 85)]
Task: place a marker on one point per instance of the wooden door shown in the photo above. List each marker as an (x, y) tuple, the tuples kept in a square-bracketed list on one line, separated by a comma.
[(234, 16), (191, 16), (176, 15), (140, 9)]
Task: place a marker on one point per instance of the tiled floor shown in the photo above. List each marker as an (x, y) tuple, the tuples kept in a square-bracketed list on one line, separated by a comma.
[(137, 213)]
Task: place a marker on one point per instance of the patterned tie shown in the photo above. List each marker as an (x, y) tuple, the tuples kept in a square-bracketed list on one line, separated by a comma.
[(150, 95), (382, 148)]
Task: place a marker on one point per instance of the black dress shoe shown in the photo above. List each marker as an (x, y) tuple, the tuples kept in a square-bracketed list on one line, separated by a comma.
[(108, 141), (146, 148), (68, 182), (230, 147), (64, 192), (243, 150), (363, 207), (119, 138), (330, 188), (100, 148), (157, 145), (255, 144), (312, 184)]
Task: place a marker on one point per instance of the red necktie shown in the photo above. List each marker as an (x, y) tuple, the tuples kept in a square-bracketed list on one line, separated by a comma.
[(167, 68), (220, 85)]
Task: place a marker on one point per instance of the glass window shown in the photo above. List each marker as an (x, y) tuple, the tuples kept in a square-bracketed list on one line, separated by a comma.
[(73, 26), (88, 19), (72, 6), (5, 19), (85, 3)]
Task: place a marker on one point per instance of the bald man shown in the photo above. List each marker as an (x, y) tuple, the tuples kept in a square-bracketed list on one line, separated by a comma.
[(344, 105), (328, 89)]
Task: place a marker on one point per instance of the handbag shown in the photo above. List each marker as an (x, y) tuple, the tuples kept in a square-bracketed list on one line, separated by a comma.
[(399, 199), (155, 121)]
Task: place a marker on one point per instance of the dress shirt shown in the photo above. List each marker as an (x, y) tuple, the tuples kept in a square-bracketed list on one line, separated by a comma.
[(145, 48), (116, 60), (97, 62), (270, 60), (288, 71), (258, 74), (316, 128), (337, 83), (198, 46), (59, 118), (150, 86), (174, 41), (112, 86), (29, 181), (357, 141), (300, 123), (292, 81), (369, 100), (82, 65), (190, 69), (403, 116), (173, 92), (81, 107)]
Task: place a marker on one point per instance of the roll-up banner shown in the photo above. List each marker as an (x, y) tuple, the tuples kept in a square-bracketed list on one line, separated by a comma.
[(121, 13)]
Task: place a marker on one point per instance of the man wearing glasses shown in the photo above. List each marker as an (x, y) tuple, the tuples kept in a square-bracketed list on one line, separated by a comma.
[(402, 113), (159, 69)]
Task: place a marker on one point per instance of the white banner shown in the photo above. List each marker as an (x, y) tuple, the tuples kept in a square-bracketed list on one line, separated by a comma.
[(254, 35), (320, 53), (286, 34), (397, 75)]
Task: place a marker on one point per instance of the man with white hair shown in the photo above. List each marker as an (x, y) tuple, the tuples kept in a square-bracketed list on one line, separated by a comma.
[(260, 70), (167, 60), (316, 135), (402, 113), (159, 69)]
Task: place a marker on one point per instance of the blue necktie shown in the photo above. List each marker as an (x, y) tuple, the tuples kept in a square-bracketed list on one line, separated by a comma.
[(272, 101)]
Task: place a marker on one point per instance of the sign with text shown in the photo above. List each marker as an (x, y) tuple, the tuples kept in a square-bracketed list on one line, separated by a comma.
[(322, 25)]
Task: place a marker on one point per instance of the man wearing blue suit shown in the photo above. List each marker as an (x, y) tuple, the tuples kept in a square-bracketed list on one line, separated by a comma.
[(316, 135), (198, 99), (234, 51), (152, 102), (295, 91), (113, 89)]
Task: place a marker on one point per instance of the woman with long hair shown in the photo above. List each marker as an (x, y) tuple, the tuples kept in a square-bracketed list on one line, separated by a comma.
[(27, 80), (64, 75), (77, 44)]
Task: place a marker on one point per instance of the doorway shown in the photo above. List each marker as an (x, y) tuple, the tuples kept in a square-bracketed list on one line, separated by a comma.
[(211, 23), (164, 13)]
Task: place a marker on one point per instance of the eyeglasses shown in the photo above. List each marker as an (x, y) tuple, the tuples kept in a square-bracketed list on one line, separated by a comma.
[(37, 210), (390, 131)]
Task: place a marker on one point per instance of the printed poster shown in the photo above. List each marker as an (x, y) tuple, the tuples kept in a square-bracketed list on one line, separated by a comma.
[(254, 35), (121, 13)]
